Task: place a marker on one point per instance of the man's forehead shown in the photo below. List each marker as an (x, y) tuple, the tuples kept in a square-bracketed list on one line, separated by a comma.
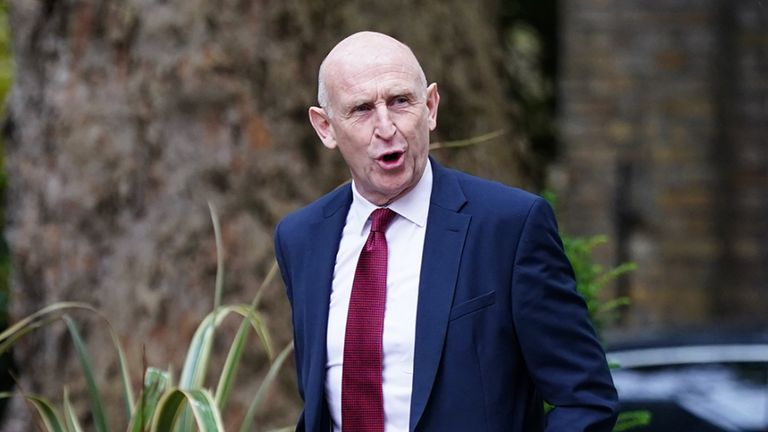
[(363, 59), (358, 72), (355, 73), (369, 49)]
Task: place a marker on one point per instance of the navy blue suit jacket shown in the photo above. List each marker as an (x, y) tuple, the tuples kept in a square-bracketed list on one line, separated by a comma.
[(499, 324)]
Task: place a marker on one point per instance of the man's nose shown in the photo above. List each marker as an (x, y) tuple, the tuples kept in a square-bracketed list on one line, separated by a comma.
[(385, 127)]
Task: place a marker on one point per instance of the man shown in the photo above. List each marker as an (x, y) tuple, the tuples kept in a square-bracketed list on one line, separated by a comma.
[(452, 310)]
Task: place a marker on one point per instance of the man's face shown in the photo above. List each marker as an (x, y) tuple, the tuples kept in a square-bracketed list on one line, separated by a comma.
[(381, 116)]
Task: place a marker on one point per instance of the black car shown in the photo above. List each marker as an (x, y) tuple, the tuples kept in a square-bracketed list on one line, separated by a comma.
[(698, 382)]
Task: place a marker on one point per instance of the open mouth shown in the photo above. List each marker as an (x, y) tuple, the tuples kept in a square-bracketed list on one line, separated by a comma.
[(391, 157), (391, 160)]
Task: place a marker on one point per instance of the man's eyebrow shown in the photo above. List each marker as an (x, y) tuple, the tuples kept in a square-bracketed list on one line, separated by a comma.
[(363, 100), (355, 103)]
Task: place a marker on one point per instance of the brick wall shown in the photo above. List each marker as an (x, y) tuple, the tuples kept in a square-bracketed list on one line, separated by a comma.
[(664, 118)]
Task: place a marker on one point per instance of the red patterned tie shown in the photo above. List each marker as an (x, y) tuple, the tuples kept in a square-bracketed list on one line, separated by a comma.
[(362, 402)]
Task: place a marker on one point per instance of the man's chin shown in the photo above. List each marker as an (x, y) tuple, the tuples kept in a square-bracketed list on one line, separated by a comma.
[(396, 193), (383, 194)]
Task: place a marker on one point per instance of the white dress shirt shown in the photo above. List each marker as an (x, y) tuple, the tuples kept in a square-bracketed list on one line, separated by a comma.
[(405, 243)]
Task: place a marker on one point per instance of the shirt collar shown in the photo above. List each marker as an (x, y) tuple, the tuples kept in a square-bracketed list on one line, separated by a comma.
[(413, 206)]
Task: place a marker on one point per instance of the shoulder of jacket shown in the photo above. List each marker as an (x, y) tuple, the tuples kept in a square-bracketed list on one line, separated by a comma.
[(321, 207), (484, 189)]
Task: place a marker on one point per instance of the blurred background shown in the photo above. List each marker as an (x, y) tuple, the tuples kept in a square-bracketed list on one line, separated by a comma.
[(647, 120)]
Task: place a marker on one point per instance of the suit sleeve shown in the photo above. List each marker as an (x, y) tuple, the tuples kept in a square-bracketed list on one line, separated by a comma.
[(285, 273), (558, 342)]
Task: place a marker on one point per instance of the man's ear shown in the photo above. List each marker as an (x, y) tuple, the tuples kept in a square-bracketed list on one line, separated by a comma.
[(323, 127), (433, 100)]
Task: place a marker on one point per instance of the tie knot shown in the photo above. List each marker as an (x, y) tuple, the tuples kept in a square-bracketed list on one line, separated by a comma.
[(381, 218)]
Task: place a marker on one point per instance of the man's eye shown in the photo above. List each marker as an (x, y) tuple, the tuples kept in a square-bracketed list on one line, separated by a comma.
[(399, 100), (361, 108)]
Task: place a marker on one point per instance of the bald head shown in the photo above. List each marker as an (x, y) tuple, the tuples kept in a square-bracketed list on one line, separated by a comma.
[(377, 111), (360, 50)]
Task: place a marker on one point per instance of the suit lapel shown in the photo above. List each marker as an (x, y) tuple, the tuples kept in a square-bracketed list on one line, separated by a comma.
[(323, 245), (443, 246)]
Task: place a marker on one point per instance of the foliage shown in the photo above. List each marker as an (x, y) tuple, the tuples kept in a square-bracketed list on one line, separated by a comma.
[(161, 404), (629, 420), (591, 278)]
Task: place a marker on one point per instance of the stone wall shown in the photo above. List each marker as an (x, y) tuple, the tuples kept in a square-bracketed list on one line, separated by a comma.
[(664, 120)]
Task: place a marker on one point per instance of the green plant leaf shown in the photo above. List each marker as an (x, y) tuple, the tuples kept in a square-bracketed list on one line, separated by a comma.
[(200, 402), (12, 338), (124, 375), (50, 418), (99, 420), (48, 414), (228, 373), (198, 354), (156, 381), (609, 305), (632, 419), (70, 417), (616, 272), (262, 392), (53, 313), (219, 256), (36, 320)]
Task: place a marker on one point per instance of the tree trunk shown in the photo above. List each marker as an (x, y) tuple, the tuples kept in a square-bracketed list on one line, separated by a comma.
[(127, 117)]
